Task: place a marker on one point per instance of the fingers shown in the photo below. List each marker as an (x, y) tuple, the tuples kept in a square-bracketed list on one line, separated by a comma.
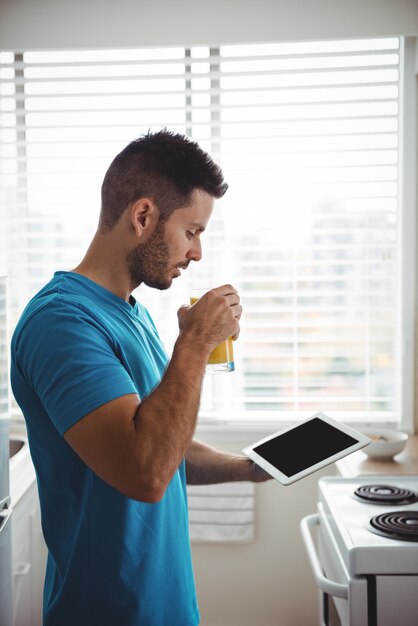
[(233, 300), (227, 291), (217, 314), (231, 294), (181, 313)]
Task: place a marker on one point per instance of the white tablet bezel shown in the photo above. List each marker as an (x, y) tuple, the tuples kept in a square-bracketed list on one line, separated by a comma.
[(361, 441)]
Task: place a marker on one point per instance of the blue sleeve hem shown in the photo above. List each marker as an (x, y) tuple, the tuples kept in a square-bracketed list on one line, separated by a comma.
[(81, 409)]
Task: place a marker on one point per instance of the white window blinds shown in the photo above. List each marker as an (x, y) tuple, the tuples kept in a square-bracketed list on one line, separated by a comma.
[(309, 136)]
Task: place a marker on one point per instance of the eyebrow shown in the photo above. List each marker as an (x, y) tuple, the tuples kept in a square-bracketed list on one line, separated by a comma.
[(198, 226)]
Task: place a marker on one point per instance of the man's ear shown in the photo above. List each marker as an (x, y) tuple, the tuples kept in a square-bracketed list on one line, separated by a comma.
[(144, 216)]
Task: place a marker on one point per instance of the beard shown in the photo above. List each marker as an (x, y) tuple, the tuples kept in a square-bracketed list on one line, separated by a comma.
[(148, 262)]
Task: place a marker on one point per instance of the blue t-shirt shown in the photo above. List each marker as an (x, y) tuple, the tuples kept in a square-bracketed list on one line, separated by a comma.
[(112, 560)]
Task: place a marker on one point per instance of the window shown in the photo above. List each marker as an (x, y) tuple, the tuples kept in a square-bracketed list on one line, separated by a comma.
[(315, 230)]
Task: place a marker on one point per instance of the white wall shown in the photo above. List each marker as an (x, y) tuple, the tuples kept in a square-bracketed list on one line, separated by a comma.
[(268, 582), (95, 23)]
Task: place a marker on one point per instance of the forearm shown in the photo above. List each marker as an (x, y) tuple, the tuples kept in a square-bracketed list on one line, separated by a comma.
[(165, 420), (206, 465)]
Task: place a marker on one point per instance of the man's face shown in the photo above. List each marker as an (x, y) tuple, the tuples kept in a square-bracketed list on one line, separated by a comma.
[(172, 245)]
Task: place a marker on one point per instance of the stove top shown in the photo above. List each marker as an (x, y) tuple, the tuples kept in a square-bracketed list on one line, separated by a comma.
[(374, 521), (401, 525), (377, 493)]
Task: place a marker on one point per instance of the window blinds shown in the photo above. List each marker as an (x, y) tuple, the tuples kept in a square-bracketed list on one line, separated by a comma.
[(308, 135)]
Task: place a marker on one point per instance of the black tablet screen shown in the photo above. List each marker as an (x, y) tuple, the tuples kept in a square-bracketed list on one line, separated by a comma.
[(304, 446)]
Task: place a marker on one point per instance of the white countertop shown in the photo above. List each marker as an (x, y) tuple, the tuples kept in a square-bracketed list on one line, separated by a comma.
[(405, 463)]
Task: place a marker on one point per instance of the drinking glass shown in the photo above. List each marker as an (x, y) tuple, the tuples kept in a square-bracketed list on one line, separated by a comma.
[(221, 359)]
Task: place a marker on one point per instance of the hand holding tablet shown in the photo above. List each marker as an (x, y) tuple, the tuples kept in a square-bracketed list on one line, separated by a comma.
[(304, 448)]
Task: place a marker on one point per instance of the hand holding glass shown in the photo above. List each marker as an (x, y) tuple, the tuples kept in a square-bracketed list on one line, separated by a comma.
[(221, 359)]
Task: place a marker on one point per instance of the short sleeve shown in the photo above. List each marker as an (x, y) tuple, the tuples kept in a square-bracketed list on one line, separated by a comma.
[(71, 362)]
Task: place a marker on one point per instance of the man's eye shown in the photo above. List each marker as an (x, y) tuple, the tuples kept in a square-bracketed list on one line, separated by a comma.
[(189, 234)]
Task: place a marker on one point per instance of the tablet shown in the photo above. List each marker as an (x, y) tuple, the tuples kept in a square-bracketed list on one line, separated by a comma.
[(295, 452)]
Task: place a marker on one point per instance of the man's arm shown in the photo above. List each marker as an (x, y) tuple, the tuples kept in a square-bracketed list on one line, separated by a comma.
[(137, 446), (206, 465)]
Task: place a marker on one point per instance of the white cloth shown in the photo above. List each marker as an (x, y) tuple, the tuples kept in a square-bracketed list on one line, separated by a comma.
[(221, 513)]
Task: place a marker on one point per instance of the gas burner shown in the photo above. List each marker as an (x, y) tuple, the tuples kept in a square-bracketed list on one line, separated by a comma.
[(385, 494), (400, 525)]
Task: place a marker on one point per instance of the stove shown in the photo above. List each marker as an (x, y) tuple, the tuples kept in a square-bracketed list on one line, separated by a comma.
[(365, 560), (385, 494)]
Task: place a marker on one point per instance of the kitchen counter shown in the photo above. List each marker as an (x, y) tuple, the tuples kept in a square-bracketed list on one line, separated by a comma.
[(403, 464), (22, 472)]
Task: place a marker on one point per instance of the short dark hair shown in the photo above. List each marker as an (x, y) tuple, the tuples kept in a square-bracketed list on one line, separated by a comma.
[(164, 166)]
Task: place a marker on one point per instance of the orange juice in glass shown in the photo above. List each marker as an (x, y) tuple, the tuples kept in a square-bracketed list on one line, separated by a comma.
[(221, 359)]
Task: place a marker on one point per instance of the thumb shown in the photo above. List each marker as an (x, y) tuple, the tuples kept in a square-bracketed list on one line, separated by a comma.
[(181, 313)]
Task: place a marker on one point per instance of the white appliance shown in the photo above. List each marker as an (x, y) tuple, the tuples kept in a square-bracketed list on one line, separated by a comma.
[(365, 560), (6, 606)]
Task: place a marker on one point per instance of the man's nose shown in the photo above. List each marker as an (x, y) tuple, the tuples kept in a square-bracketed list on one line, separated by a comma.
[(195, 252)]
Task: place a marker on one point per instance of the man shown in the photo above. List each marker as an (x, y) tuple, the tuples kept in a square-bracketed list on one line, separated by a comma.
[(110, 419)]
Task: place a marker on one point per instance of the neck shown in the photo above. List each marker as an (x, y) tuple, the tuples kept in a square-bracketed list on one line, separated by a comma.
[(105, 264)]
